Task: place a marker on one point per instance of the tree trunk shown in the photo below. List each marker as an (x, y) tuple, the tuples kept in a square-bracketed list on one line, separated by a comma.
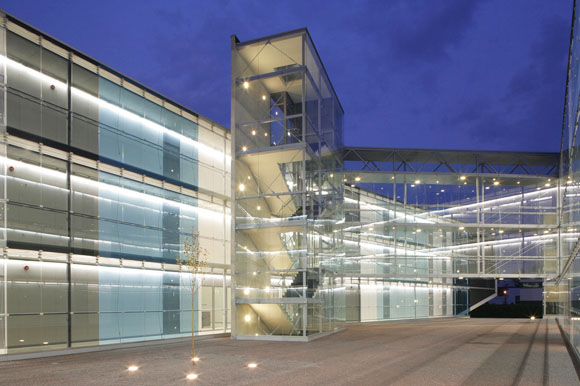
[(192, 323)]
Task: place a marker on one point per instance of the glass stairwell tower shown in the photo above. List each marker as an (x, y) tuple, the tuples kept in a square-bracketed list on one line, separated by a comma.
[(288, 191)]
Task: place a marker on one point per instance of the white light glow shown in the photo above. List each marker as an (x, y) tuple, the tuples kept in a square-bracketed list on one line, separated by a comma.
[(116, 109)]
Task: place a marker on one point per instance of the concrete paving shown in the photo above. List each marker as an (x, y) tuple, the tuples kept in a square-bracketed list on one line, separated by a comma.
[(457, 351)]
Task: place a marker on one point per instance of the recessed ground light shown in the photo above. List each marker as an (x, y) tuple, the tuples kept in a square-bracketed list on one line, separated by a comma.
[(133, 368), (44, 342), (21, 340), (191, 376), (195, 359), (252, 365), (533, 317)]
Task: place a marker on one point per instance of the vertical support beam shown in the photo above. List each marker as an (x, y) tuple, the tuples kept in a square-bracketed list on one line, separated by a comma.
[(70, 206), (559, 226), (482, 221), (233, 311), (478, 233), (395, 221), (304, 190), (226, 245), (3, 122)]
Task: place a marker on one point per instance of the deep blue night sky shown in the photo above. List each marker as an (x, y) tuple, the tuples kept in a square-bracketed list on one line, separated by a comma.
[(450, 74)]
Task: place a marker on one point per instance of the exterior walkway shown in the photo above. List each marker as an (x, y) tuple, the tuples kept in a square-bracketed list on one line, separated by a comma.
[(429, 352)]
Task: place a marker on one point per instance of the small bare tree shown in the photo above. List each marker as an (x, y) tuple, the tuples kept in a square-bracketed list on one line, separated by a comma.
[(193, 261)]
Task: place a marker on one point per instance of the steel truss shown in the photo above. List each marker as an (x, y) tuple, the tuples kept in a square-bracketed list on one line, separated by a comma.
[(451, 161)]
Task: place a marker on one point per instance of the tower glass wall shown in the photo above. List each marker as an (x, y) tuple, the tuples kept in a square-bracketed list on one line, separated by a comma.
[(287, 128)]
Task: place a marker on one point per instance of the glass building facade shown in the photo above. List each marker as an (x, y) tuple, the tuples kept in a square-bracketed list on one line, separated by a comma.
[(101, 181), (288, 248), (562, 293)]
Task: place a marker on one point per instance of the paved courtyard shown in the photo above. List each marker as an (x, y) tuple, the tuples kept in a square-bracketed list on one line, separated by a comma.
[(431, 352)]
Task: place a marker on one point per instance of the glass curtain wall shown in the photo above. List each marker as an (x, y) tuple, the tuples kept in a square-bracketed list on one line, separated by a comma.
[(413, 241), (102, 180), (287, 128), (562, 296)]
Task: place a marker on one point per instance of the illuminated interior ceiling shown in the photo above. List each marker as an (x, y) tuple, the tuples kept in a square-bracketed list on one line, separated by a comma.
[(272, 56)]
